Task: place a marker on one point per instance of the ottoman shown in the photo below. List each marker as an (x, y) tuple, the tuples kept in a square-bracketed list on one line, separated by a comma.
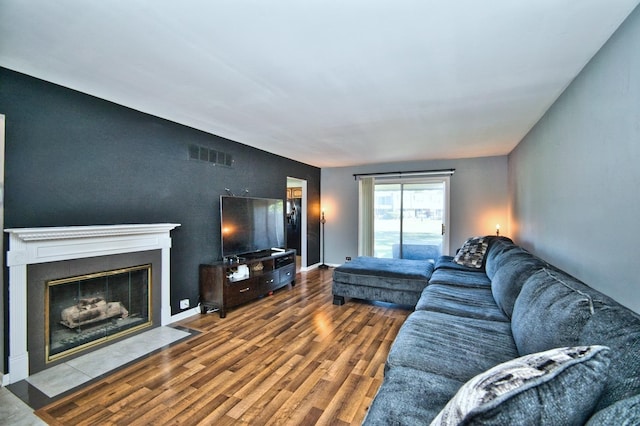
[(399, 281)]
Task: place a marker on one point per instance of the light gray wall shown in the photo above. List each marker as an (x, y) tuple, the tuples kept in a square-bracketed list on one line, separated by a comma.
[(574, 181), (479, 200)]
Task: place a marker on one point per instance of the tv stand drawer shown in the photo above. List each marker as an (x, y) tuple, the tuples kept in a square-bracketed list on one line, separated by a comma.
[(287, 274), (268, 281), (239, 292)]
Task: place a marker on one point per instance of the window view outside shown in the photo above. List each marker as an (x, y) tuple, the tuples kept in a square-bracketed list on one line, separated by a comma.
[(408, 220)]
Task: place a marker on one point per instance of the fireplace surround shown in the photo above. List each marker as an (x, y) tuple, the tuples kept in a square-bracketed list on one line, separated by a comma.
[(33, 246)]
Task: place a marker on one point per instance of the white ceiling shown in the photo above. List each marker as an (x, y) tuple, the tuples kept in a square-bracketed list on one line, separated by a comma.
[(325, 82)]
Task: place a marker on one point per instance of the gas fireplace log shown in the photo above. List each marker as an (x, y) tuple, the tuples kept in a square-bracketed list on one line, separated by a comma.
[(88, 311)]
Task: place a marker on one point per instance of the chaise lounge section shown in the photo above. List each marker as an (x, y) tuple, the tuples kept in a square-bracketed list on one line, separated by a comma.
[(399, 281), (509, 339)]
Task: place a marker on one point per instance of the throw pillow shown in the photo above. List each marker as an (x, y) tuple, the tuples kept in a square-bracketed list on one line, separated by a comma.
[(560, 387), (472, 252)]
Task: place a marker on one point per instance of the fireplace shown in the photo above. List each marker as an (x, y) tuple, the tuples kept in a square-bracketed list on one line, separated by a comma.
[(87, 310), (88, 269)]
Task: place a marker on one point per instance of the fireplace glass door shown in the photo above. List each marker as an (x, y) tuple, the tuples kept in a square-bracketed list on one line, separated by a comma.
[(87, 310)]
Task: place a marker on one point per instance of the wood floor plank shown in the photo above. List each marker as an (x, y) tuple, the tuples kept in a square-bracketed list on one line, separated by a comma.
[(286, 359)]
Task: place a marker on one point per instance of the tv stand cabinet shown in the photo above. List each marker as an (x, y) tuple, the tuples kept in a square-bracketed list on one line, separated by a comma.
[(221, 287)]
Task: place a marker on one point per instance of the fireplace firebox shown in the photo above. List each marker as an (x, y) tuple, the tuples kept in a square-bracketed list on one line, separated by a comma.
[(86, 310)]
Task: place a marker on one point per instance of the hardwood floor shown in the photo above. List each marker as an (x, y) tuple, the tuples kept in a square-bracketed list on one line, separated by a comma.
[(293, 358)]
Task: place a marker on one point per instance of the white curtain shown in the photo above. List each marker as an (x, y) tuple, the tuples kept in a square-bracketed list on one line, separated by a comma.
[(366, 216)]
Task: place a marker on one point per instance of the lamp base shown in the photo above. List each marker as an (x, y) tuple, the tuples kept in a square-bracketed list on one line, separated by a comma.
[(323, 266)]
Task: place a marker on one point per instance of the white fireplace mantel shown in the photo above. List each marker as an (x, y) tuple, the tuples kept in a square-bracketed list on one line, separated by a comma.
[(29, 246)]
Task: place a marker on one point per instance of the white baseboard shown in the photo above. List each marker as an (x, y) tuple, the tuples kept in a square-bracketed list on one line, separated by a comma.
[(315, 266), (185, 314)]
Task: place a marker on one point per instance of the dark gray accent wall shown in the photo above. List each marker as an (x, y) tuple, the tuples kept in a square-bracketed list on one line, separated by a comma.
[(574, 179), (73, 159)]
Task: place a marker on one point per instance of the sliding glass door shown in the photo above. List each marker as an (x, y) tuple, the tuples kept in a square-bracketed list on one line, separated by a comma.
[(410, 218)]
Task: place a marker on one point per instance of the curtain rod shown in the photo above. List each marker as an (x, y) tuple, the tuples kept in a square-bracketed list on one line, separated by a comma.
[(408, 173)]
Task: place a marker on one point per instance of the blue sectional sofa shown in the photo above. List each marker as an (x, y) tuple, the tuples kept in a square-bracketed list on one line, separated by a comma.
[(511, 341)]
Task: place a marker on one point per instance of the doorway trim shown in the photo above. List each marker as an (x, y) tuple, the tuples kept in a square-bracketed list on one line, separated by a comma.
[(2, 262), (302, 183)]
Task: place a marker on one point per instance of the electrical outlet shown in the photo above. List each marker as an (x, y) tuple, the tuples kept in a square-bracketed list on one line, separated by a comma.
[(348, 258), (184, 303)]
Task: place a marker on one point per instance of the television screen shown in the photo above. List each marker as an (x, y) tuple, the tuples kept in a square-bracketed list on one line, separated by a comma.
[(251, 224)]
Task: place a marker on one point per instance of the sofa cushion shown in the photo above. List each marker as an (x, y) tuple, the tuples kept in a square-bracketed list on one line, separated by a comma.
[(509, 279), (550, 312), (460, 278), (497, 247), (615, 326), (470, 302), (502, 258), (472, 252), (559, 386), (452, 346), (622, 413), (555, 309), (410, 397)]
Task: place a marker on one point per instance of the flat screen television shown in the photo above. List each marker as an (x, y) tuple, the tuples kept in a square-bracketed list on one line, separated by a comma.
[(250, 225)]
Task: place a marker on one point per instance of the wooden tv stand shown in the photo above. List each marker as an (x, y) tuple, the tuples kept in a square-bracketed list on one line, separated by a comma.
[(267, 271)]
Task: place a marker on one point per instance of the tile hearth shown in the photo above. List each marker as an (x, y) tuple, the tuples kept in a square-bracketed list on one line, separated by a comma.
[(80, 371), (14, 412)]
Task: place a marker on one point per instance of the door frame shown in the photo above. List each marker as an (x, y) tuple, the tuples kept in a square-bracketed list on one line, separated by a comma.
[(2, 262), (302, 183)]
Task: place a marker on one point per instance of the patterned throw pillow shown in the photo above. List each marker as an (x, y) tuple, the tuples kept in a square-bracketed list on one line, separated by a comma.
[(472, 252), (556, 387)]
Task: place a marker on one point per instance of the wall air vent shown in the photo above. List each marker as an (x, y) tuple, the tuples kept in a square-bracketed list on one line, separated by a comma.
[(202, 153)]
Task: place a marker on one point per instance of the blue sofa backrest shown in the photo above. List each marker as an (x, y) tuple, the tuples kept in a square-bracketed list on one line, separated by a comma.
[(554, 309), (498, 246), (515, 268)]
